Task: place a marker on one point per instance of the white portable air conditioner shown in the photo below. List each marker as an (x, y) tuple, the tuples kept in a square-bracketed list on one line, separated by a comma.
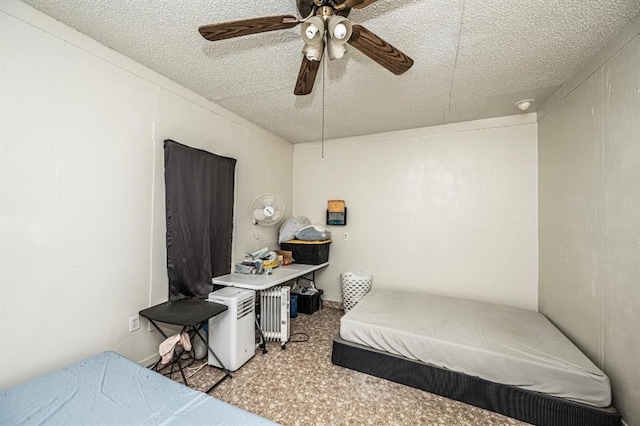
[(232, 333)]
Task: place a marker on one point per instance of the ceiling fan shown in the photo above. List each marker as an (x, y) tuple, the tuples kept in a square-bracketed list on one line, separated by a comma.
[(325, 25)]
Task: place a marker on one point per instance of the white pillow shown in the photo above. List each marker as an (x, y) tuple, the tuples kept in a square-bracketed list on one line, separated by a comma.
[(291, 226)]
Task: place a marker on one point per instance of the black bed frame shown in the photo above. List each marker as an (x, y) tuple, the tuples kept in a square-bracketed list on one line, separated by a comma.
[(521, 404)]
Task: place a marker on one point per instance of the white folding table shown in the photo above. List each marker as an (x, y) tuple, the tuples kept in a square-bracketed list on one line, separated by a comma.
[(280, 275)]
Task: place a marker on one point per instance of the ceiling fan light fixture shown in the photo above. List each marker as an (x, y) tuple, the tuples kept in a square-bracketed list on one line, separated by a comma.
[(313, 30), (313, 52), (339, 32), (340, 29), (335, 50)]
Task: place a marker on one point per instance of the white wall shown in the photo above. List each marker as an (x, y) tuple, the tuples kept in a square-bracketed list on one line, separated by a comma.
[(448, 209), (82, 199), (589, 149)]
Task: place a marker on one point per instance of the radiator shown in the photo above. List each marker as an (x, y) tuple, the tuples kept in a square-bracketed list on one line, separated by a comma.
[(274, 314)]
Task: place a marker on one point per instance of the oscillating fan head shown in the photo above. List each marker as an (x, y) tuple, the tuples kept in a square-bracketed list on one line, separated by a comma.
[(267, 210)]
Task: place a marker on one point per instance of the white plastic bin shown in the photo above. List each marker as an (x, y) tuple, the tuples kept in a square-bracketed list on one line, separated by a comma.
[(355, 285)]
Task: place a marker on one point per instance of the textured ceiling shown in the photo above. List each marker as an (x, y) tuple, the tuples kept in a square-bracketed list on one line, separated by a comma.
[(473, 58)]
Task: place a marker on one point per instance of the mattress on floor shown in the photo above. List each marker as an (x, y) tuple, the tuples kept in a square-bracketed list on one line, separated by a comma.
[(497, 343), (110, 389)]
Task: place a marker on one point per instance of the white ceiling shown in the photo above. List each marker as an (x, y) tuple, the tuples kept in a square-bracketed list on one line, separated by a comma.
[(473, 58)]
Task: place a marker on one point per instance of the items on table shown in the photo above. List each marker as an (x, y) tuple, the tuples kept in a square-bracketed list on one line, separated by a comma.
[(259, 261)]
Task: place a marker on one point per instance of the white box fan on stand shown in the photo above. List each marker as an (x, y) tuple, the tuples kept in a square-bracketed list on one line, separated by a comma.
[(268, 210)]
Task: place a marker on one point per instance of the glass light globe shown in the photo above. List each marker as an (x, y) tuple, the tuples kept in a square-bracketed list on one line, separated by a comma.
[(340, 31), (311, 31)]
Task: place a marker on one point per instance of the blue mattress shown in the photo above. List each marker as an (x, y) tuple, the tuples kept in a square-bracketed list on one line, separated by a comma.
[(110, 389)]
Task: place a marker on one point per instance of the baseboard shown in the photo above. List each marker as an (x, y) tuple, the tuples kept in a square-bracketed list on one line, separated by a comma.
[(332, 304), (332, 297), (150, 360)]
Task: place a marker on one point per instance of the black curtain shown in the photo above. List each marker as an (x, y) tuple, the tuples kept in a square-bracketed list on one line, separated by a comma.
[(199, 201)]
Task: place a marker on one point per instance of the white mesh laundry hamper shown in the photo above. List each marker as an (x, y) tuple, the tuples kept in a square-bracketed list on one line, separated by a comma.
[(354, 286)]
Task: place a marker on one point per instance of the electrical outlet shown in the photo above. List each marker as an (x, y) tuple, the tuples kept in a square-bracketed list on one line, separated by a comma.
[(134, 323), (345, 236)]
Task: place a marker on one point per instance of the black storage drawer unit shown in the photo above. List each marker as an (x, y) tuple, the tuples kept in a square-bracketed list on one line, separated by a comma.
[(308, 303), (308, 253)]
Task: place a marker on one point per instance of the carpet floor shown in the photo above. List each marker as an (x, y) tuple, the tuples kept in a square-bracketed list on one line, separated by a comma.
[(300, 386)]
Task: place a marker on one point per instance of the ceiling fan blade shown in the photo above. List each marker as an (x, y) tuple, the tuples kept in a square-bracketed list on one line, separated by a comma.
[(306, 76), (305, 7), (379, 50), (358, 4), (215, 32)]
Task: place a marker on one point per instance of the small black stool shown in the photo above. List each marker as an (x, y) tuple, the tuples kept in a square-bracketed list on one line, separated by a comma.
[(190, 314)]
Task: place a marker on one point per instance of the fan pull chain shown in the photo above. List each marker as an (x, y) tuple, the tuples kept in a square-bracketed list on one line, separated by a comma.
[(324, 71)]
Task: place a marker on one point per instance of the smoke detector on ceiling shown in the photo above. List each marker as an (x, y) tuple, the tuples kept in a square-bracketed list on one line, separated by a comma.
[(524, 104)]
